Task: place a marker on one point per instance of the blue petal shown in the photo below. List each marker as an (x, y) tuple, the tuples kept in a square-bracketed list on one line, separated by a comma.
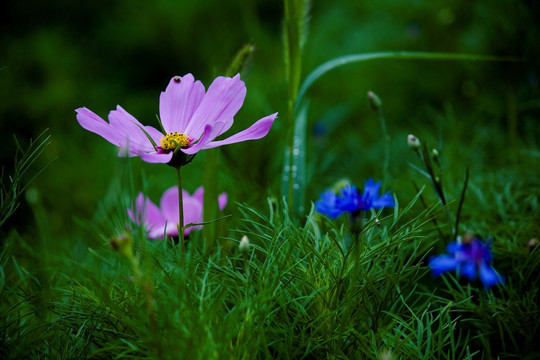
[(469, 270), (488, 276), (350, 199), (442, 263), (486, 251), (454, 247), (387, 200), (371, 191), (328, 204)]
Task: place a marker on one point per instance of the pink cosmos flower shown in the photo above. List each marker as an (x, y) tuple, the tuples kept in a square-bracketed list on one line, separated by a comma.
[(163, 221), (191, 118)]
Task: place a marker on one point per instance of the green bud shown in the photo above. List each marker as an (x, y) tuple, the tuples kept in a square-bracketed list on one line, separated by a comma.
[(244, 244), (123, 244), (240, 59), (340, 184), (374, 100)]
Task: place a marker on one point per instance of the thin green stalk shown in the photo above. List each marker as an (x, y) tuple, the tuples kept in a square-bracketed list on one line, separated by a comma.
[(460, 205), (386, 163), (294, 34), (291, 172), (210, 178), (180, 210), (210, 205)]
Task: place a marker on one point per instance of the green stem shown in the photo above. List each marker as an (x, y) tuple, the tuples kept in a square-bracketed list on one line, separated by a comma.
[(293, 68), (180, 210), (386, 164), (210, 204), (291, 173)]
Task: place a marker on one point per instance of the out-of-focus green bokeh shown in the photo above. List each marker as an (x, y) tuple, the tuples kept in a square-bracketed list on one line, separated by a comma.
[(56, 56)]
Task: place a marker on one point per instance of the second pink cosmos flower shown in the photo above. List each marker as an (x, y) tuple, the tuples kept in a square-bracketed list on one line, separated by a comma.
[(163, 220)]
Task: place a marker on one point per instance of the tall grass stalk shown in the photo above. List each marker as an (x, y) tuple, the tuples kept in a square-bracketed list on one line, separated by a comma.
[(11, 190), (376, 105), (212, 164), (294, 35)]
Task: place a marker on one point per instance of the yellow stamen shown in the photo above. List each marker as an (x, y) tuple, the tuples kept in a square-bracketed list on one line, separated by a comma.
[(173, 140)]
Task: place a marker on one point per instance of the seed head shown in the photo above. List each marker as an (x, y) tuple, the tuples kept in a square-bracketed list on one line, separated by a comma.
[(413, 142), (244, 244), (374, 100)]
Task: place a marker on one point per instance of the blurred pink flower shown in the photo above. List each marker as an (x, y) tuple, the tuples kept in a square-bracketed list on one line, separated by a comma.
[(163, 220), (191, 119)]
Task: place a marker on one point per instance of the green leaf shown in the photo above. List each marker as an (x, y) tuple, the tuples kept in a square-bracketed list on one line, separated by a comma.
[(147, 135), (410, 55), (294, 176)]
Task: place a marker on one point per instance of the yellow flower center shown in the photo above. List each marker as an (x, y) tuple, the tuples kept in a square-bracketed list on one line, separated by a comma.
[(173, 140)]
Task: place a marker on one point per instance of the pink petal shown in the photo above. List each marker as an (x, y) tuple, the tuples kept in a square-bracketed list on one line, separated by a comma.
[(92, 122), (254, 132), (156, 157), (193, 210), (222, 200), (163, 231), (130, 132), (191, 228), (169, 204), (179, 101), (147, 213), (209, 134), (199, 194), (224, 98)]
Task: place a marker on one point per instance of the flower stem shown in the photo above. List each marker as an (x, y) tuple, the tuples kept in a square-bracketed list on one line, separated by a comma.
[(386, 162), (180, 210), (294, 31)]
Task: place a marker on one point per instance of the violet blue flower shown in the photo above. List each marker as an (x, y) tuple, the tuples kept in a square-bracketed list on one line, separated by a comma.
[(329, 204), (350, 200), (471, 259), (191, 119), (163, 221)]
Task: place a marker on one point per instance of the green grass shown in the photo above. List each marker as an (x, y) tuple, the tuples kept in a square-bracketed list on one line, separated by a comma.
[(305, 289)]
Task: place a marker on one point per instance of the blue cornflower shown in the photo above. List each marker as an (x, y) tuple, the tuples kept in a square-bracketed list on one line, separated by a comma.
[(350, 200), (370, 199), (468, 259), (329, 204)]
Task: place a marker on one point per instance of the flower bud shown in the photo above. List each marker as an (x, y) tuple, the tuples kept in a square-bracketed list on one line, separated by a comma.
[(244, 244), (386, 355), (374, 100), (468, 237), (340, 184), (413, 142), (122, 244), (533, 243), (435, 155)]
